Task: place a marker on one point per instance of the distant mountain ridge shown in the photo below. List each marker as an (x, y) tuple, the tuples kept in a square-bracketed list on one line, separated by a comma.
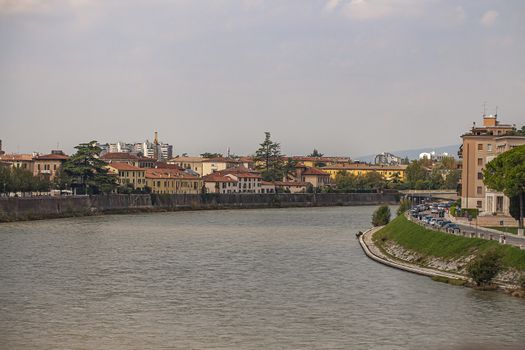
[(414, 153)]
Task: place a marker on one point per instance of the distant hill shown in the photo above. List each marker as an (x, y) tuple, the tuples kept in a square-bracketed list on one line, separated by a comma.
[(414, 153)]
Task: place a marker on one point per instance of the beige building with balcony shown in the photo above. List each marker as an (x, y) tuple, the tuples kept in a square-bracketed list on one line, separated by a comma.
[(480, 145), (49, 164)]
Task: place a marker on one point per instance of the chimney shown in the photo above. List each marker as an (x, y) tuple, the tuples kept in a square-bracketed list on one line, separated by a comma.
[(1, 152)]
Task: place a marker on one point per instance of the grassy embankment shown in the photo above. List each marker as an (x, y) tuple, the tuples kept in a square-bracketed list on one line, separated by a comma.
[(442, 245)]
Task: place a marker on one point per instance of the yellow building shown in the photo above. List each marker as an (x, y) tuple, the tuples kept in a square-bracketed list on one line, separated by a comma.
[(48, 165), (128, 174), (388, 172), (172, 181)]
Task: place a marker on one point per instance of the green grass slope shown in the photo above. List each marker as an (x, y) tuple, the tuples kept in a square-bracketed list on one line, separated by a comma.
[(431, 243)]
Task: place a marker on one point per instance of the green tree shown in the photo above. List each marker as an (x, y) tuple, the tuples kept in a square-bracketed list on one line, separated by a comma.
[(381, 216), (506, 173), (415, 172), (374, 181), (211, 155), (269, 159), (5, 179), (87, 171), (485, 267), (452, 179), (315, 153), (404, 205), (62, 180), (22, 180)]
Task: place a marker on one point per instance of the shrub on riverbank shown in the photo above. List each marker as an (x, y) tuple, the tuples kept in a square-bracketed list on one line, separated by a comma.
[(485, 267), (431, 243), (404, 205), (381, 216)]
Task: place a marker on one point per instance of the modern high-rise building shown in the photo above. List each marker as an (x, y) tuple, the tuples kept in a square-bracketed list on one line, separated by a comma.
[(480, 145), (386, 158), (157, 150)]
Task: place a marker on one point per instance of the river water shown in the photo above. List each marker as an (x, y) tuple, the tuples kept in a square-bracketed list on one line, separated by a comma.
[(245, 279)]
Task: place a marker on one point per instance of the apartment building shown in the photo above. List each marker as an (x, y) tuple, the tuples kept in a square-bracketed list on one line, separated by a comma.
[(49, 164), (172, 181), (388, 172), (497, 202), (479, 146), (128, 174)]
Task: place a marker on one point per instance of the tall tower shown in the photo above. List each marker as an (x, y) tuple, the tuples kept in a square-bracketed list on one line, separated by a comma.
[(1, 152), (156, 153)]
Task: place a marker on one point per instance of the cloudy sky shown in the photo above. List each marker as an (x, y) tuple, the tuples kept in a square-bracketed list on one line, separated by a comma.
[(349, 77)]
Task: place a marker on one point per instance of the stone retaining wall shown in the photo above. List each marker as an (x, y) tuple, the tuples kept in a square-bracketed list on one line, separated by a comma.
[(12, 209)]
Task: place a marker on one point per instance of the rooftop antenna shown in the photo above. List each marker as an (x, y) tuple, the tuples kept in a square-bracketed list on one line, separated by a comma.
[(496, 114), (485, 108)]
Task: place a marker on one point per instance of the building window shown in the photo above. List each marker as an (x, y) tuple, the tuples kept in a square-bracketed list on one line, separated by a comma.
[(480, 161), (480, 147), (480, 176), (478, 204), (489, 147), (479, 190)]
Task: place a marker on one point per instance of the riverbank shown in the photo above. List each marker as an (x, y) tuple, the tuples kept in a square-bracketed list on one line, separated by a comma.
[(405, 245), (37, 208)]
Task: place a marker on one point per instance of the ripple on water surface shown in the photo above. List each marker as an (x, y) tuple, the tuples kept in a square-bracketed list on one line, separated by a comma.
[(250, 279)]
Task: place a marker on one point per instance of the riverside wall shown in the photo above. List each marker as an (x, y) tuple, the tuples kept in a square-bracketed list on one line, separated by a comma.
[(34, 208)]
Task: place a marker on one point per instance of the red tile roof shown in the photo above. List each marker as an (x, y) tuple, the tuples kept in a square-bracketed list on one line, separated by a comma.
[(217, 178), (52, 156), (16, 157), (119, 155), (221, 160), (169, 174), (125, 167), (314, 171), (365, 166)]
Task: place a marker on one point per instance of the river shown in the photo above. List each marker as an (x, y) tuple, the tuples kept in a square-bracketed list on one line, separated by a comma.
[(232, 279)]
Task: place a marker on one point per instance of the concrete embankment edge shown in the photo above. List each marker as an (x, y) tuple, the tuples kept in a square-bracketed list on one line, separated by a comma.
[(382, 259)]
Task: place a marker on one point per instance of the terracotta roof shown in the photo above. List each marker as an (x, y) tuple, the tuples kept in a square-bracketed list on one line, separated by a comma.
[(314, 171), (52, 156), (119, 155), (125, 167), (16, 157), (218, 178), (162, 165), (267, 183), (365, 166), (187, 159), (221, 160), (240, 171), (169, 174)]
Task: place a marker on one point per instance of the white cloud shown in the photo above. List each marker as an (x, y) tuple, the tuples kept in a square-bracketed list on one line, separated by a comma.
[(460, 14), (331, 5), (489, 18), (378, 9), (22, 6), (14, 7)]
